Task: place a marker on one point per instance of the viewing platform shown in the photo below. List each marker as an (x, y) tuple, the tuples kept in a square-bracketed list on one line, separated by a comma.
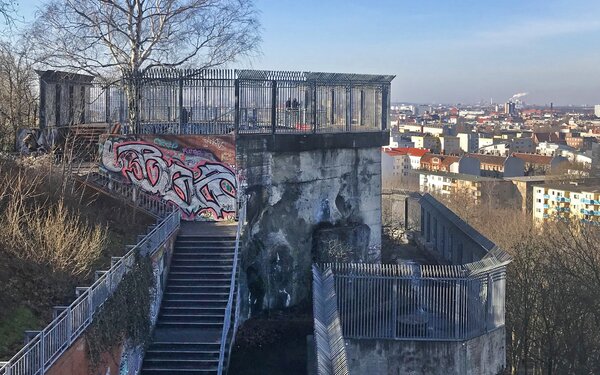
[(214, 102)]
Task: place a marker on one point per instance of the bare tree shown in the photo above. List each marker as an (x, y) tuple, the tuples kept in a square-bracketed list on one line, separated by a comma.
[(18, 98), (7, 10), (132, 36)]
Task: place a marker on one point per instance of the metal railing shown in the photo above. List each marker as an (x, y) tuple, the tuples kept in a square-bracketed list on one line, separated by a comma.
[(40, 353), (329, 341), (412, 302), (233, 293), (216, 101), (152, 204)]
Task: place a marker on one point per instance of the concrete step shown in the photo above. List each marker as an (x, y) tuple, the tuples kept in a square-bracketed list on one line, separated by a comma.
[(187, 317), (191, 268), (208, 274), (205, 296), (184, 346), (184, 354), (198, 288), (200, 255), (194, 310), (220, 281), (168, 303), (176, 363), (217, 261), (163, 323), (170, 371)]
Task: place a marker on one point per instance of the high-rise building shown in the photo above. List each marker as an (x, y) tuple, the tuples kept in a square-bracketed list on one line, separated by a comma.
[(597, 110), (510, 108)]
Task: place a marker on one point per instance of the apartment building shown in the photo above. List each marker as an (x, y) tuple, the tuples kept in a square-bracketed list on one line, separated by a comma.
[(398, 165), (467, 186), (574, 201)]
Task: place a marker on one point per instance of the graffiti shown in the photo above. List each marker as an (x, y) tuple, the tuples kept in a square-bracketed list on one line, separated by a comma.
[(201, 188), (205, 154), (164, 143)]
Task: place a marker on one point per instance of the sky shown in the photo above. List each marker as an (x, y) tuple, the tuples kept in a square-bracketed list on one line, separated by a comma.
[(441, 51)]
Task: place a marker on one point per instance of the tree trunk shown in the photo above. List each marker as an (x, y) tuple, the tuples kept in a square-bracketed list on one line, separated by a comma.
[(134, 99)]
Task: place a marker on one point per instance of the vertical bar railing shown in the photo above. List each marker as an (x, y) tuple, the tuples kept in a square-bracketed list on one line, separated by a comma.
[(233, 293), (419, 302), (40, 353), (329, 341)]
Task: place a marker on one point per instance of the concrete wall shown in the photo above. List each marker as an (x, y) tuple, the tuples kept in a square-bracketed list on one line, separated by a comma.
[(75, 361), (450, 238), (484, 355), (306, 192)]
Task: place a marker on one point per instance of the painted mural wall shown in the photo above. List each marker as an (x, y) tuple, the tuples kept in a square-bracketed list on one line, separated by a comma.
[(194, 172)]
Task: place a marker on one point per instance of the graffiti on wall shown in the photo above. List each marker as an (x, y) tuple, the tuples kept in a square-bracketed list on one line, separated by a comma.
[(198, 176)]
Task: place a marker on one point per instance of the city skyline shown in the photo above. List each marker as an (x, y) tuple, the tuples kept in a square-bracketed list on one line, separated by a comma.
[(465, 52)]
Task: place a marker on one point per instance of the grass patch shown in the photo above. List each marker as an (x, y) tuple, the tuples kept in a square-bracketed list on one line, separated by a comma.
[(12, 329)]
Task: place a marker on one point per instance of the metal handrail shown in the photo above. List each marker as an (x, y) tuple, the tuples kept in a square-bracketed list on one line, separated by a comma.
[(232, 290), (141, 199), (40, 353)]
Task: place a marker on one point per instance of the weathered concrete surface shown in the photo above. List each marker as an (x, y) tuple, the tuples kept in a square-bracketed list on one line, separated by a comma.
[(292, 195), (484, 355)]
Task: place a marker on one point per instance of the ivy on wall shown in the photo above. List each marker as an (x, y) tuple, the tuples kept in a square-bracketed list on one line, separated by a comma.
[(125, 316)]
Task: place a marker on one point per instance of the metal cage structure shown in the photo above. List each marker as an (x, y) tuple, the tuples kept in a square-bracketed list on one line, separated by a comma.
[(213, 101)]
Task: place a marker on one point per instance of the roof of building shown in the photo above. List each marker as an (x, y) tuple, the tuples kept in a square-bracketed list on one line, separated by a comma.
[(412, 151), (577, 187), (534, 158), (488, 159), (450, 159), (444, 159), (459, 176), (545, 137)]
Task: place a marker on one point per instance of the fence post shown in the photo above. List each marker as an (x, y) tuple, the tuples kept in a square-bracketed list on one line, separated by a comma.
[(69, 326), (274, 106), (384, 106), (236, 120), (349, 108), (90, 304), (394, 322), (107, 104), (180, 102), (42, 353), (489, 307), (314, 105), (457, 305)]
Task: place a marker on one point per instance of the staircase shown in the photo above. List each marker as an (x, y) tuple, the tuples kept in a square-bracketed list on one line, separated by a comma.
[(83, 139), (190, 322)]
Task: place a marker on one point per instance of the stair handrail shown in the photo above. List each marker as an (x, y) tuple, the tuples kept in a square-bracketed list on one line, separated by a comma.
[(152, 204), (232, 290), (44, 349)]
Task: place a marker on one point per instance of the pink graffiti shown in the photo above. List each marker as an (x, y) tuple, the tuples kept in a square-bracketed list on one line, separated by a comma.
[(206, 190)]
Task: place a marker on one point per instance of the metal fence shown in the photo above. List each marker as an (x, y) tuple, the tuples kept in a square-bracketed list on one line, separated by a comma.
[(38, 355), (329, 341), (413, 302), (246, 101), (150, 203), (231, 319)]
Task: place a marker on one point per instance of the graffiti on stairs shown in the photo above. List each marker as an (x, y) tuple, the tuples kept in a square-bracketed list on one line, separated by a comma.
[(202, 186)]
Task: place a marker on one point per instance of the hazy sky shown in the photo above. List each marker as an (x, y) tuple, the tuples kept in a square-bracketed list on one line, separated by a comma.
[(440, 50)]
